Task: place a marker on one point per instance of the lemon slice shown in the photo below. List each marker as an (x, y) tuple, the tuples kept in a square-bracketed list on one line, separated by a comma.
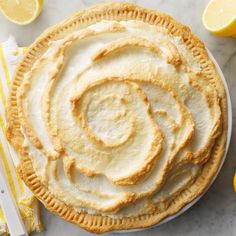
[(234, 182), (21, 12), (219, 17)]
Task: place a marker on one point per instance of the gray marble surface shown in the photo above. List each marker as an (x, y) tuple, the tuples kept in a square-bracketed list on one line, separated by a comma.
[(215, 213)]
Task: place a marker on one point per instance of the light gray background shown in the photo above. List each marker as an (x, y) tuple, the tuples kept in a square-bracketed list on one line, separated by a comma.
[(215, 213)]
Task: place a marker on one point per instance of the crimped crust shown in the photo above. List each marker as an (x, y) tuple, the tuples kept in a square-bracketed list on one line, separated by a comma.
[(116, 11)]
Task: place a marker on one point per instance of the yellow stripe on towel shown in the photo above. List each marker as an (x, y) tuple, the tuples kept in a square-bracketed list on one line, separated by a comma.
[(2, 94), (4, 65)]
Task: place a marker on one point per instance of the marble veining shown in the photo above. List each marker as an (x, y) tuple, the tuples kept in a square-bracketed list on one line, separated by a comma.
[(215, 213)]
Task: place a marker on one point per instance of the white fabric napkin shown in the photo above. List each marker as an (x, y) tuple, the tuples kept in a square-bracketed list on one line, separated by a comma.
[(10, 55)]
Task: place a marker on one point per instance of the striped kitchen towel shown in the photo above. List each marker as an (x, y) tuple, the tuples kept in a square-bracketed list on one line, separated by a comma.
[(10, 54)]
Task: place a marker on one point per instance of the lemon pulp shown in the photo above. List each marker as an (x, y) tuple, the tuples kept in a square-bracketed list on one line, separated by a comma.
[(21, 11), (219, 17)]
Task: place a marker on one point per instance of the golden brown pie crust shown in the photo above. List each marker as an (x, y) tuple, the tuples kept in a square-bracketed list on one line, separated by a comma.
[(115, 11)]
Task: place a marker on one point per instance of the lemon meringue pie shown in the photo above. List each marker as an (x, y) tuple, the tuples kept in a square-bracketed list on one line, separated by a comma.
[(119, 116)]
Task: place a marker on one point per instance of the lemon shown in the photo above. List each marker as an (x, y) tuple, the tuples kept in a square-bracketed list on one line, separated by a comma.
[(234, 182), (21, 12), (219, 17)]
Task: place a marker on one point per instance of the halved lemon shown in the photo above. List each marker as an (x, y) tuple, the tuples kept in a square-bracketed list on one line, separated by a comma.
[(234, 182), (219, 17), (21, 12)]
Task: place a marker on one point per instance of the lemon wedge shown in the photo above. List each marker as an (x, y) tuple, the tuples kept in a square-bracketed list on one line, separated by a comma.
[(234, 182), (219, 17), (21, 12)]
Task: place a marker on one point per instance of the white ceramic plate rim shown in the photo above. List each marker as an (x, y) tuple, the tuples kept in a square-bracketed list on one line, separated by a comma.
[(185, 208)]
